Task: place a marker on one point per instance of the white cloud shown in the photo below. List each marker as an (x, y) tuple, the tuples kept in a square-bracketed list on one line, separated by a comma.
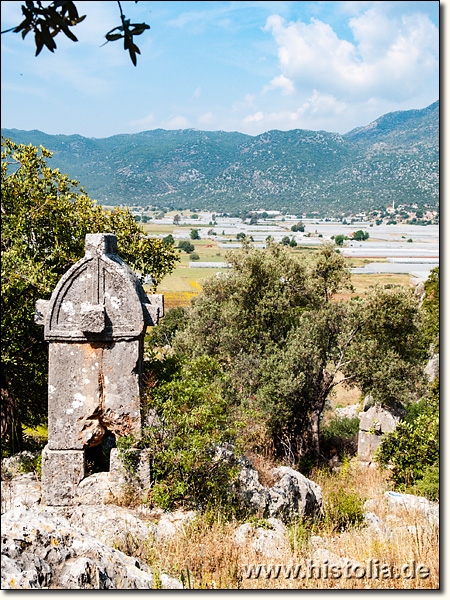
[(324, 104), (197, 93), (254, 118), (177, 122), (246, 103), (143, 124), (319, 111), (207, 119), (389, 58), (281, 82)]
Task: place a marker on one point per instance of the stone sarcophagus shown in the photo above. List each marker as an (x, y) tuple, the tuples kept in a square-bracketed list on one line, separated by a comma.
[(95, 322)]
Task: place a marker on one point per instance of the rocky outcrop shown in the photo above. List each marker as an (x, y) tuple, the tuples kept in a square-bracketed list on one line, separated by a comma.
[(410, 503), (268, 539), (43, 551), (349, 412), (374, 423), (292, 496), (432, 368)]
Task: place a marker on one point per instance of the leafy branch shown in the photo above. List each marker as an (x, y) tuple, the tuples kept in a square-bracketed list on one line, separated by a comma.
[(46, 22), (126, 31)]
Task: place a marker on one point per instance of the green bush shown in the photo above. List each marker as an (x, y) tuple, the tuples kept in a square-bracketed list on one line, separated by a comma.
[(163, 333), (429, 484), (195, 256), (345, 427), (186, 246), (339, 436), (344, 509), (192, 420), (412, 449)]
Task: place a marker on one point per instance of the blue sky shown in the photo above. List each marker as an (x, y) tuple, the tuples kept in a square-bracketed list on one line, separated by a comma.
[(233, 66)]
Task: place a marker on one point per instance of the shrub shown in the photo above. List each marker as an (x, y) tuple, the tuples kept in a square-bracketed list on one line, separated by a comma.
[(360, 235), (186, 246), (163, 333), (192, 420), (344, 509), (412, 449), (345, 427), (195, 256), (168, 240), (340, 436), (429, 484)]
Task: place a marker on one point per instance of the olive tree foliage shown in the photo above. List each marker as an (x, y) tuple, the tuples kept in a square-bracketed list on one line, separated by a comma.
[(285, 342), (431, 307), (45, 218), (49, 20)]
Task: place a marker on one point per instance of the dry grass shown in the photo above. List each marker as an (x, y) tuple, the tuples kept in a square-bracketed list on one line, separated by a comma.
[(206, 555)]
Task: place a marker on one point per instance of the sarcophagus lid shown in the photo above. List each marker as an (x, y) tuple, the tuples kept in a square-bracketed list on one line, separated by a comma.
[(99, 298)]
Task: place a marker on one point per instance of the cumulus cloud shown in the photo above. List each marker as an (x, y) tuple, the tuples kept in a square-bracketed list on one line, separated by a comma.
[(281, 82), (254, 118), (177, 122), (317, 111), (207, 119), (388, 57), (143, 124)]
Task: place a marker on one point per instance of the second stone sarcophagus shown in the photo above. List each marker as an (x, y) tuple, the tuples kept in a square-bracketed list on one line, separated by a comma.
[(95, 322)]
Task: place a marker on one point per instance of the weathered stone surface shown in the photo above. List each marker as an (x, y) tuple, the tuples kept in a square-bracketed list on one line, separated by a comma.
[(95, 322), (62, 470), (96, 489), (21, 490), (368, 402), (99, 391), (41, 550), (292, 495), (138, 477), (171, 524), (270, 541), (374, 522), (351, 411), (432, 368), (112, 525), (373, 423), (323, 556), (411, 503), (100, 289)]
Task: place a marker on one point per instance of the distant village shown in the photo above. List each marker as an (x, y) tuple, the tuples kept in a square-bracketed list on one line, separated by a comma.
[(391, 215)]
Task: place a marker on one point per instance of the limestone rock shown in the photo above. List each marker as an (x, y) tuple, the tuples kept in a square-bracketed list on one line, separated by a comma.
[(170, 524), (351, 411), (375, 422), (375, 523), (23, 490), (409, 502), (432, 368), (41, 550), (292, 495), (368, 402), (323, 556), (112, 525), (269, 541)]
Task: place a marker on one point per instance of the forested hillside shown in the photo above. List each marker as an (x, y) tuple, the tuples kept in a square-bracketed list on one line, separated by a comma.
[(395, 158)]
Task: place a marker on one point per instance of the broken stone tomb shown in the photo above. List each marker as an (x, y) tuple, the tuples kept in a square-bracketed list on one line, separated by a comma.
[(94, 322)]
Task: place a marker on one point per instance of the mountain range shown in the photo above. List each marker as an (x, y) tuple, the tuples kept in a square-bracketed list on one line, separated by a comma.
[(395, 158)]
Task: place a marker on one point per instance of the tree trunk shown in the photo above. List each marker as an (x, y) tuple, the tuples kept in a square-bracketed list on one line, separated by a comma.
[(311, 447), (314, 450), (11, 428)]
